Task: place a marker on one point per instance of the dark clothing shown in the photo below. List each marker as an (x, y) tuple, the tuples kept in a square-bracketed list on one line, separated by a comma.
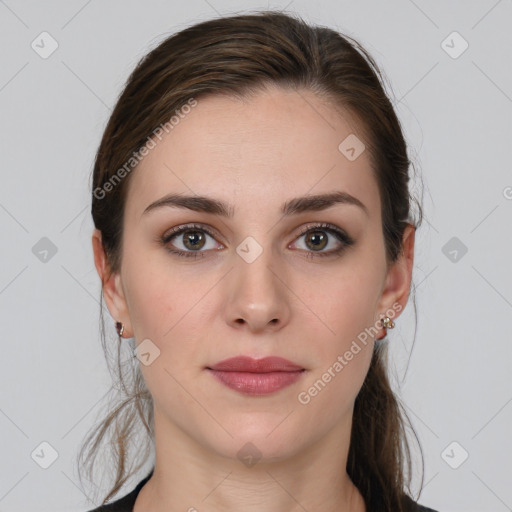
[(126, 503)]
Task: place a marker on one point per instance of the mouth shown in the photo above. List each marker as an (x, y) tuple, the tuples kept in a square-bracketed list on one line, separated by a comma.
[(250, 365), (256, 376)]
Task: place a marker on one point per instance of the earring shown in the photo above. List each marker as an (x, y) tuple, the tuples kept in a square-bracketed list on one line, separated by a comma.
[(120, 328), (388, 323)]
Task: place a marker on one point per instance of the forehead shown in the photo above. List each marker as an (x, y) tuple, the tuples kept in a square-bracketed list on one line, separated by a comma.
[(260, 149)]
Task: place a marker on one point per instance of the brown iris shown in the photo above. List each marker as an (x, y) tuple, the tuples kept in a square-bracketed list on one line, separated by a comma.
[(195, 238), (318, 239)]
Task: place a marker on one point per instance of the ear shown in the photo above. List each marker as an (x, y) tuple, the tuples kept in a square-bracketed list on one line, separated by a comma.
[(111, 285), (395, 294)]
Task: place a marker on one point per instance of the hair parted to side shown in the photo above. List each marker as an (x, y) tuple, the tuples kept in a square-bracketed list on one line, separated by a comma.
[(239, 55)]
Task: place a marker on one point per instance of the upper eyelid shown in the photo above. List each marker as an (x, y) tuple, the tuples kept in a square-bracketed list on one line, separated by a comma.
[(178, 230)]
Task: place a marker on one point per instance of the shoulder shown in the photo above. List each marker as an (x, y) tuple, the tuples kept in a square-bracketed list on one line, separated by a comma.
[(413, 506), (126, 503), (421, 508)]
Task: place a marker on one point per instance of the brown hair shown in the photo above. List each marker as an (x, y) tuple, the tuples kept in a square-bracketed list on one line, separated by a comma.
[(239, 55)]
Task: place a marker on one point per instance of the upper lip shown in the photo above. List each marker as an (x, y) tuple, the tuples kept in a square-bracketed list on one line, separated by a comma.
[(248, 364)]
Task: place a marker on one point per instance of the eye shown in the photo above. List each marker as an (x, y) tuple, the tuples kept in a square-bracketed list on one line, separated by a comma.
[(193, 238), (320, 236)]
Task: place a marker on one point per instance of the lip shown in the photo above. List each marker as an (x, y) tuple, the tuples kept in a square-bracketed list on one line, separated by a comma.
[(248, 364), (256, 376)]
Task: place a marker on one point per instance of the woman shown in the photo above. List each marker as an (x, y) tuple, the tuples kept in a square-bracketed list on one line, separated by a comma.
[(254, 241)]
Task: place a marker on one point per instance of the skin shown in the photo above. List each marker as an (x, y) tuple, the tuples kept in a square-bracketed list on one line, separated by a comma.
[(255, 154)]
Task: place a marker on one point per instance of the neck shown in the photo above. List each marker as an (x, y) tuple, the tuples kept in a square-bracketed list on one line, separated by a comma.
[(188, 477)]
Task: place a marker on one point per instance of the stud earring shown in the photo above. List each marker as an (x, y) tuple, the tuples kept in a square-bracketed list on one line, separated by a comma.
[(120, 328), (388, 323)]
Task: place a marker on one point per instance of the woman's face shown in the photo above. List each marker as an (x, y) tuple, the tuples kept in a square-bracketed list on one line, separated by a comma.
[(252, 284)]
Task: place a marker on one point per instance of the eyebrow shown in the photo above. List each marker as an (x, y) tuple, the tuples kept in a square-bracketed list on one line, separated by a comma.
[(293, 206)]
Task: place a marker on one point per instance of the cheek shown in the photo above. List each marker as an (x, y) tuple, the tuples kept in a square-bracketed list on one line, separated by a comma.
[(343, 353), (347, 304), (168, 307), (161, 304), (151, 305), (156, 293)]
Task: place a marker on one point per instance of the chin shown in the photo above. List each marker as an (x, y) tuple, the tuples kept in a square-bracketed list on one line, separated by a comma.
[(256, 443)]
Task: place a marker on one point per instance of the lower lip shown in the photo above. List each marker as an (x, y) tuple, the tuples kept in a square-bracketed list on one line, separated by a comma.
[(257, 383)]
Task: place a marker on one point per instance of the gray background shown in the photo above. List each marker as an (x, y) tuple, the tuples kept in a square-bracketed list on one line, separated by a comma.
[(456, 113)]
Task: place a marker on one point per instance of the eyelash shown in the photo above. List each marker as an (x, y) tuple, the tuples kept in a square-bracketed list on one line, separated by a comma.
[(340, 235)]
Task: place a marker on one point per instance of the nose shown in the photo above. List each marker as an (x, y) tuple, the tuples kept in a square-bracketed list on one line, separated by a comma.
[(257, 296)]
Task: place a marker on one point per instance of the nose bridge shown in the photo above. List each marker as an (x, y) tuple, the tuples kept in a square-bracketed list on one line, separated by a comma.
[(255, 264), (258, 294)]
